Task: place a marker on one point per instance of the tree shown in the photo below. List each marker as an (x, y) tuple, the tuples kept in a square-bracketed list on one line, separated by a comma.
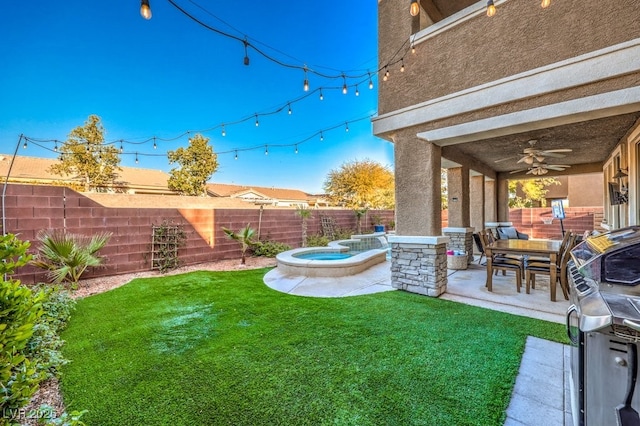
[(244, 237), (197, 164), (534, 191), (305, 214), (361, 184), (86, 157)]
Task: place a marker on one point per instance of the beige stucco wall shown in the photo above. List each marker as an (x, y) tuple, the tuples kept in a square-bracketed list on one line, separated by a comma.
[(484, 49)]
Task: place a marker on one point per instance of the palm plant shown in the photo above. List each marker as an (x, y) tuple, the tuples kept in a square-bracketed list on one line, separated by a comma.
[(66, 255), (305, 214), (244, 237)]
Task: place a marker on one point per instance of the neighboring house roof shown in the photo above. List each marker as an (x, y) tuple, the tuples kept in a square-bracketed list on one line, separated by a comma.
[(257, 192), (35, 169)]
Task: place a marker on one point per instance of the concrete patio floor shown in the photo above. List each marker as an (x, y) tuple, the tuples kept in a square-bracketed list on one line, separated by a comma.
[(537, 398)]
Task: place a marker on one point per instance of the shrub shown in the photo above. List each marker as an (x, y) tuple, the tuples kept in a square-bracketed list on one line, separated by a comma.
[(344, 234), (44, 346), (66, 256), (317, 241), (20, 309), (269, 248)]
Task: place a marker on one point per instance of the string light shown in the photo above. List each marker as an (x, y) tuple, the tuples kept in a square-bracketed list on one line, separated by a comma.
[(321, 95), (24, 145), (545, 3), (414, 8), (136, 158), (290, 112), (145, 9), (154, 143), (402, 65), (55, 147), (357, 92), (386, 74), (413, 48), (266, 150), (305, 84), (236, 157), (246, 54), (296, 148), (370, 82), (321, 136), (121, 147), (344, 85), (257, 122), (491, 9), (224, 132), (346, 126)]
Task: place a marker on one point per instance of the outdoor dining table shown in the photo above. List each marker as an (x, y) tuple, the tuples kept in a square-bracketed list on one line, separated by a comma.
[(550, 248)]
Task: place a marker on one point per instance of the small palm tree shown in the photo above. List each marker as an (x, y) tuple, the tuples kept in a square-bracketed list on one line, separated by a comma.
[(66, 255), (244, 237), (305, 214)]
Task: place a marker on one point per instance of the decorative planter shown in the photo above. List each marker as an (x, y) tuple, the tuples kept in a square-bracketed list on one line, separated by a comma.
[(378, 228)]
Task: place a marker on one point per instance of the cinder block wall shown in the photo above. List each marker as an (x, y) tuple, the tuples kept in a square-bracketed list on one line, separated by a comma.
[(31, 208)]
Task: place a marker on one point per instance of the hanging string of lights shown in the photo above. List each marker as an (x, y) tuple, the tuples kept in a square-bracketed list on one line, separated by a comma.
[(318, 135), (146, 11)]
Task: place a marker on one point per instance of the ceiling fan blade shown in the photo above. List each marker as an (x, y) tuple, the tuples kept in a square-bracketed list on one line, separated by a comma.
[(517, 171), (552, 155), (559, 167), (556, 150)]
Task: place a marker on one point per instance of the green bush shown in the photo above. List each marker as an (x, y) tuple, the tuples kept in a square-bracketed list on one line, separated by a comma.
[(317, 241), (269, 248), (344, 234), (20, 309), (44, 346)]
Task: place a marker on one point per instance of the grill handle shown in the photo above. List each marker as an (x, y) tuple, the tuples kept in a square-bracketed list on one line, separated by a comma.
[(633, 325), (572, 310)]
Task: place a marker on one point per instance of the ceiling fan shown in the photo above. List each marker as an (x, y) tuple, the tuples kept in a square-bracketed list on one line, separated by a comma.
[(539, 169), (532, 154)]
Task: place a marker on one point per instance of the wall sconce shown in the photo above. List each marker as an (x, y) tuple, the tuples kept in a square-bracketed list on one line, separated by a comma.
[(620, 176)]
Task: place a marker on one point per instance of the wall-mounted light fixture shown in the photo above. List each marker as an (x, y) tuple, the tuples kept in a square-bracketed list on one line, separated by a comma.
[(145, 9), (414, 9)]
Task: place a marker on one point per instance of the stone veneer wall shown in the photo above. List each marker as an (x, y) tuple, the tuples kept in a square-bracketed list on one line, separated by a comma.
[(460, 239), (419, 264)]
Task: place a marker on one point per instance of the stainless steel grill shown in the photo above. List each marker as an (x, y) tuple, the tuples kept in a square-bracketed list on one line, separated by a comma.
[(603, 324)]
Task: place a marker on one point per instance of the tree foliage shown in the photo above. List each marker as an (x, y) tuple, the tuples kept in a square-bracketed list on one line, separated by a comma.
[(197, 163), (86, 157), (361, 184), (533, 191)]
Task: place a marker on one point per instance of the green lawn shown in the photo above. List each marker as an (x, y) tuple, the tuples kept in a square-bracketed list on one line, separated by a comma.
[(221, 348)]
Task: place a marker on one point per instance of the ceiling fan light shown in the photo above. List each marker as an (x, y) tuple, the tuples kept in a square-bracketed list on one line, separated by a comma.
[(528, 160)]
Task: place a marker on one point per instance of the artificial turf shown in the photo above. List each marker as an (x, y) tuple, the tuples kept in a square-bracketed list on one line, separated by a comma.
[(221, 348)]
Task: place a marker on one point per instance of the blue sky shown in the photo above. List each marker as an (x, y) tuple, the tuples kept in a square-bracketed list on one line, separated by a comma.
[(62, 61)]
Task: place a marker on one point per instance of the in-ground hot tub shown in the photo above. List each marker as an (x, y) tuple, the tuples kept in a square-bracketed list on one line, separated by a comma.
[(341, 258)]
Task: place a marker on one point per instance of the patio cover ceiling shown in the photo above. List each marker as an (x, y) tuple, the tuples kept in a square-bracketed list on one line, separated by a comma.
[(591, 143)]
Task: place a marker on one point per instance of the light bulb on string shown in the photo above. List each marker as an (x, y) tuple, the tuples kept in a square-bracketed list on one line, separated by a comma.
[(55, 147), (224, 132), (257, 122), (414, 8), (321, 136), (290, 112), (296, 148), (346, 126), (357, 92), (24, 145), (545, 3), (344, 85), (370, 81), (236, 155), (121, 147), (321, 95), (155, 146), (305, 84), (386, 74), (402, 65), (266, 150), (136, 158), (246, 55), (491, 8), (413, 49), (145, 9)]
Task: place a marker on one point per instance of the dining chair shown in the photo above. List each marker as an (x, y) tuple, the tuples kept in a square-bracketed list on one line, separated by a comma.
[(501, 262), (533, 267)]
